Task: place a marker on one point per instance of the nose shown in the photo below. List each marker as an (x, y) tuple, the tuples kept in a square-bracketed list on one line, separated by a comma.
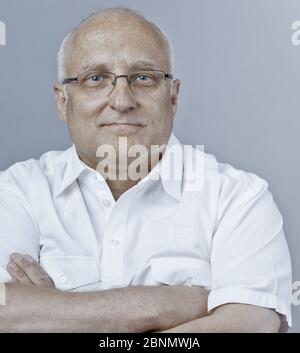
[(122, 98)]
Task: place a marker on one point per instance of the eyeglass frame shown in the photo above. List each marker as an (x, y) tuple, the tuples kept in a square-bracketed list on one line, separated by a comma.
[(72, 79)]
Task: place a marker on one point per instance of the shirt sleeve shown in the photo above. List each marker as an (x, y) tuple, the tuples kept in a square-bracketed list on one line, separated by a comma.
[(18, 231), (250, 260)]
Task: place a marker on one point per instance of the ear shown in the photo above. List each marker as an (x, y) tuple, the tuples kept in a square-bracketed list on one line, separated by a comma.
[(61, 101), (174, 94)]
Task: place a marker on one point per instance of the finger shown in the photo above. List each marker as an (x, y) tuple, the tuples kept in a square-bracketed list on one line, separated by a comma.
[(37, 265), (31, 270), (17, 274), (36, 274), (43, 278)]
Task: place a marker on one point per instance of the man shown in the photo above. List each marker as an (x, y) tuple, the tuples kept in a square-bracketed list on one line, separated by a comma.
[(83, 250)]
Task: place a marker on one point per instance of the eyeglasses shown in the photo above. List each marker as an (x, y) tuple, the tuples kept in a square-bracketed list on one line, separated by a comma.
[(144, 81)]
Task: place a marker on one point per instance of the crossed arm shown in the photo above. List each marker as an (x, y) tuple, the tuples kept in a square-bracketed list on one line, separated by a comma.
[(34, 305)]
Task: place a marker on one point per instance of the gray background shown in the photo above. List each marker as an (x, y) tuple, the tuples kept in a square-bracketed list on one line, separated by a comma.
[(239, 96)]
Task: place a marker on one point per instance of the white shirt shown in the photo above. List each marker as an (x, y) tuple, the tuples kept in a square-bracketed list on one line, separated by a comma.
[(227, 236)]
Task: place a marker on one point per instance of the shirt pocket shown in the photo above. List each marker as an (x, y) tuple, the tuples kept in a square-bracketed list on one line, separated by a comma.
[(73, 273), (180, 271)]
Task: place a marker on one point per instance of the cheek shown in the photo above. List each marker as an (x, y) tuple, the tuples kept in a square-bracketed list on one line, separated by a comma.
[(161, 112), (80, 119), (160, 117), (81, 105), (82, 114), (159, 104)]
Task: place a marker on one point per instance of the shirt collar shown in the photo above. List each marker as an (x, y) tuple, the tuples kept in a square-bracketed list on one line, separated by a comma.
[(69, 170), (169, 169)]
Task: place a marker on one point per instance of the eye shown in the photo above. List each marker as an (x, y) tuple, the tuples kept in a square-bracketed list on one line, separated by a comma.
[(96, 78), (143, 77)]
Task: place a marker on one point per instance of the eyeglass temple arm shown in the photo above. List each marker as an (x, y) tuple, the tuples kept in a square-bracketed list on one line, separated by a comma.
[(68, 80)]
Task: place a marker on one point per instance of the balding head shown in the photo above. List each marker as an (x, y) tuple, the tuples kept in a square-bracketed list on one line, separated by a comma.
[(115, 21)]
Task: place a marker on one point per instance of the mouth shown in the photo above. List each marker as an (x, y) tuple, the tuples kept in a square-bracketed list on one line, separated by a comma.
[(122, 124), (123, 128)]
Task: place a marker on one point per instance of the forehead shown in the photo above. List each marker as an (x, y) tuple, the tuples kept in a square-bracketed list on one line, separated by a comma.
[(118, 48)]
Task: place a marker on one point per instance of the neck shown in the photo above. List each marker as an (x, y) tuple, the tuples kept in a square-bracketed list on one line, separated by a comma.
[(117, 186)]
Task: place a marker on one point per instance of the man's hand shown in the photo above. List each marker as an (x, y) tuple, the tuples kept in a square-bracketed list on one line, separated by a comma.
[(24, 269)]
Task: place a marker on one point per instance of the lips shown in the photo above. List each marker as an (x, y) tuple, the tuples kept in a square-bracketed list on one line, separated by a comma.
[(122, 129), (122, 124)]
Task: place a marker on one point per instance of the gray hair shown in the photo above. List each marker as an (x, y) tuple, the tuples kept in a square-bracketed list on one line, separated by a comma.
[(61, 56)]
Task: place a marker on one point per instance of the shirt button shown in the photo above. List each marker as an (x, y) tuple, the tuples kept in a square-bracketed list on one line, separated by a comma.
[(115, 242), (63, 279), (106, 203)]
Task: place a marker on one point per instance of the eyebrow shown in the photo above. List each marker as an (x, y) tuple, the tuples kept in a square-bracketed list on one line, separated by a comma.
[(140, 64)]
